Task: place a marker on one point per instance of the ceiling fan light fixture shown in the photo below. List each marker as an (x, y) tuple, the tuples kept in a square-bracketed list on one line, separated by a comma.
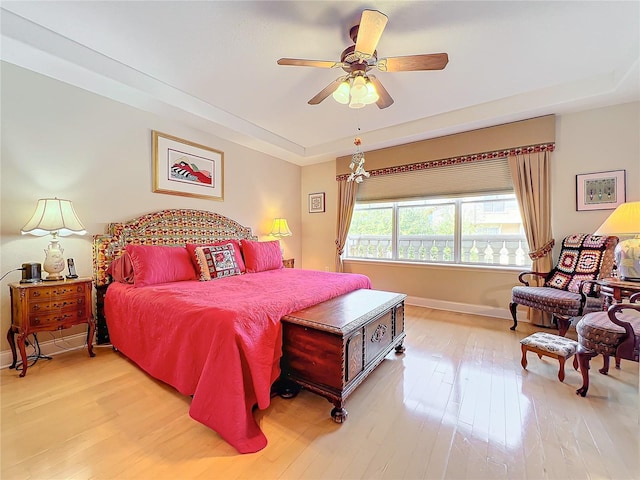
[(372, 95), (359, 88), (356, 102), (341, 94)]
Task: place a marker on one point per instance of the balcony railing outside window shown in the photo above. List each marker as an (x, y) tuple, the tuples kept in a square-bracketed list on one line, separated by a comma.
[(481, 230)]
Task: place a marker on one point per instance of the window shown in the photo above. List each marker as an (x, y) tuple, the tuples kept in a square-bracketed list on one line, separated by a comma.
[(472, 230)]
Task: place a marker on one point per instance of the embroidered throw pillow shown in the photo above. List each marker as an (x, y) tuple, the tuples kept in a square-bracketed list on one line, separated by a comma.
[(580, 259), (217, 261), (191, 248)]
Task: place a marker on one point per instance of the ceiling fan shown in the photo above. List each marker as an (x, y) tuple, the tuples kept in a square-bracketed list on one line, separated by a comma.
[(358, 88)]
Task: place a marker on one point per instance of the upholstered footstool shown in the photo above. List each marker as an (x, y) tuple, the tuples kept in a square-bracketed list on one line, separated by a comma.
[(550, 345)]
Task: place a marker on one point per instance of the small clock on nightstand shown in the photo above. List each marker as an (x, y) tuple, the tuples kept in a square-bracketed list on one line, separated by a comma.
[(288, 262)]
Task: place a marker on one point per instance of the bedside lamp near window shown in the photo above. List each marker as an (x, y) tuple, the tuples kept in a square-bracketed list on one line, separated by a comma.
[(58, 218), (280, 228), (625, 221)]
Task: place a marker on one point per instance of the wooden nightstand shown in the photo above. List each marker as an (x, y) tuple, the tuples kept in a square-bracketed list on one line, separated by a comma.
[(288, 262), (46, 307)]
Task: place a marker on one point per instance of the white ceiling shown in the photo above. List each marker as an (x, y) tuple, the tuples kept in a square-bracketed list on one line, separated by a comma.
[(212, 64)]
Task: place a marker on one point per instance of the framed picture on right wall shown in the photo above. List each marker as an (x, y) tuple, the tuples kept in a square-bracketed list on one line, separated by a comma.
[(316, 202), (600, 190)]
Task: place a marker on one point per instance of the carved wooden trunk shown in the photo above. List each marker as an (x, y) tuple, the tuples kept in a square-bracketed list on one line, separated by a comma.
[(332, 347)]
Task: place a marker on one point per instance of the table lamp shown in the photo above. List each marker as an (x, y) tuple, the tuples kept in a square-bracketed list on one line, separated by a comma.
[(280, 228), (58, 218), (625, 221)]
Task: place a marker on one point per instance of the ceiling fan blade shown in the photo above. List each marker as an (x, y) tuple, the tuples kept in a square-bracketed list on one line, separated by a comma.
[(326, 91), (371, 27), (384, 99), (298, 62), (427, 61)]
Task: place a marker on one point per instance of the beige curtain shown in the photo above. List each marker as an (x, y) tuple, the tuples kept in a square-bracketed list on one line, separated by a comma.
[(346, 201), (532, 185)]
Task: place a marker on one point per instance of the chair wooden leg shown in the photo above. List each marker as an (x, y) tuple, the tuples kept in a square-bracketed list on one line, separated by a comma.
[(605, 365), (563, 325), (513, 307), (584, 357)]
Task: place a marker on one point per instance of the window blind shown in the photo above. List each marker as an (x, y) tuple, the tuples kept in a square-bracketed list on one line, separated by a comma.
[(484, 176)]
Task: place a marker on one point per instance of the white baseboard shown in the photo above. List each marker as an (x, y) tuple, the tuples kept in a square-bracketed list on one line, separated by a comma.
[(48, 346), (463, 308)]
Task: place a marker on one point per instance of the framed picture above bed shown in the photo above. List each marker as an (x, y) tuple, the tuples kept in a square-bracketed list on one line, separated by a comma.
[(185, 168)]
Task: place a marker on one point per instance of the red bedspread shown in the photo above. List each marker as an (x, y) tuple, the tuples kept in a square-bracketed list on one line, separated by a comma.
[(219, 341)]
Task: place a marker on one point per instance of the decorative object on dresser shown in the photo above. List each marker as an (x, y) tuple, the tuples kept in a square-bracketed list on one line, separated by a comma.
[(330, 348), (186, 168), (625, 222), (56, 217), (566, 291), (47, 307)]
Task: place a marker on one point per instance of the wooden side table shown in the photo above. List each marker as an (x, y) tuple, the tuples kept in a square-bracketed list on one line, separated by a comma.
[(288, 262), (616, 290), (46, 307)]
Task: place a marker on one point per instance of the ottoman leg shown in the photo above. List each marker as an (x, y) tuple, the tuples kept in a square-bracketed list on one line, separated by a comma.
[(561, 361), (523, 362)]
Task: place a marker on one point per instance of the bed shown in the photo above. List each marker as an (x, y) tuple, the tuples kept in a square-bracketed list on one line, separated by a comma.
[(219, 340)]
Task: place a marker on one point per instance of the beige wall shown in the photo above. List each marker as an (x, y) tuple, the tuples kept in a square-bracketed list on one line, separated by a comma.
[(586, 142), (58, 140)]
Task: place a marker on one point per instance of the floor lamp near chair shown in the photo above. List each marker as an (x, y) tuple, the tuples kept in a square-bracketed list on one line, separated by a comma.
[(56, 217), (625, 222)]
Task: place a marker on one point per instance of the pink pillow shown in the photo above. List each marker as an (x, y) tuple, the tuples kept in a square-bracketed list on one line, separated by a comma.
[(191, 247), (160, 264), (261, 256), (121, 269), (216, 261)]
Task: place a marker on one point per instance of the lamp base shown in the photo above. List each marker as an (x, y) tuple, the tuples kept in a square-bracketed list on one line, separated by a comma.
[(54, 262), (627, 255), (54, 278)]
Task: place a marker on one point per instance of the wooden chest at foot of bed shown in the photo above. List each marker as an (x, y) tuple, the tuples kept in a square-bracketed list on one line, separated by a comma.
[(330, 348)]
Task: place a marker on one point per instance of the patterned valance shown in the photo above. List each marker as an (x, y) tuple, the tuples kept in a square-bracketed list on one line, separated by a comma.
[(546, 147)]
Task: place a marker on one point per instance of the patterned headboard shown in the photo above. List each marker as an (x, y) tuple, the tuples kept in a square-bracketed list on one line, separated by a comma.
[(166, 227)]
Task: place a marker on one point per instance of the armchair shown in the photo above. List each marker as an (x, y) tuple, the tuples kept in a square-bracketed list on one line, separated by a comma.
[(611, 333), (566, 291)]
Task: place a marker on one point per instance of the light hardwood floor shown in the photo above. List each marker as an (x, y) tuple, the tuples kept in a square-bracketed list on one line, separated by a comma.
[(456, 405)]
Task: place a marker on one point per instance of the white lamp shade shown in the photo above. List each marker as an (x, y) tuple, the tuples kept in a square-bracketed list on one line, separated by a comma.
[(372, 95), (53, 215), (341, 94), (625, 220), (359, 88), (280, 228)]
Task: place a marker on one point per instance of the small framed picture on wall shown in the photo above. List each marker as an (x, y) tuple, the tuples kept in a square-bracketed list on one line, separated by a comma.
[(600, 190), (316, 202)]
